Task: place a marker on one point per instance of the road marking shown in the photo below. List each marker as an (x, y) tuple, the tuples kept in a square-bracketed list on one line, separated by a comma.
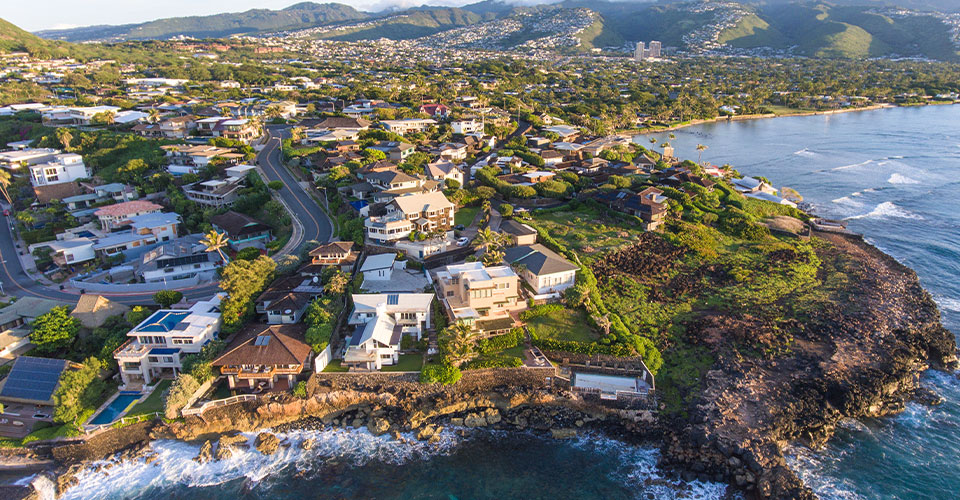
[(269, 152)]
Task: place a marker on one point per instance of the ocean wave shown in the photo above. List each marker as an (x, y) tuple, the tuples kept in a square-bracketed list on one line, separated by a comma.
[(854, 165), (805, 152), (175, 466), (812, 467), (896, 178), (846, 200), (887, 209), (639, 466), (948, 303)]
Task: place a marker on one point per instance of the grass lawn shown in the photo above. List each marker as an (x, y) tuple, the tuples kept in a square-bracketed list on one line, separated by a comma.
[(154, 401), (587, 231), (222, 391), (406, 363), (465, 215), (565, 325), (334, 366)]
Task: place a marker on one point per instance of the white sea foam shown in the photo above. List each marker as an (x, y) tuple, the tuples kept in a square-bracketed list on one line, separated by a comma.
[(948, 303), (896, 178), (175, 464), (846, 200), (888, 209), (855, 165), (811, 468), (805, 152)]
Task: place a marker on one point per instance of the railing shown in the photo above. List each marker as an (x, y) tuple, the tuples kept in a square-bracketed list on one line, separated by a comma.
[(123, 422), (217, 403)]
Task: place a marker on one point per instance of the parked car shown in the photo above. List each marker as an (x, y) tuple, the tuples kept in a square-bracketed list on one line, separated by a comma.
[(459, 227), (462, 241)]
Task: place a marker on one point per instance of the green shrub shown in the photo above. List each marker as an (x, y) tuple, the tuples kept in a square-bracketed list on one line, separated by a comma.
[(179, 394), (300, 390), (501, 342), (440, 374)]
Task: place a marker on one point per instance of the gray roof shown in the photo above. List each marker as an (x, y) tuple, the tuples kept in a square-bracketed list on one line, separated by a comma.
[(539, 259), (515, 228)]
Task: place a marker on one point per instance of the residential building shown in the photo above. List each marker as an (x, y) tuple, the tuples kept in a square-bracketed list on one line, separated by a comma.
[(519, 233), (378, 267), (73, 251), (285, 300), (219, 192), (395, 151), (649, 205), (186, 159), (338, 253), (425, 213), (381, 321), (442, 170), (94, 195), (32, 381), (16, 320), (157, 344), (177, 260), (119, 215), (67, 167), (471, 291), (543, 269), (439, 111), (93, 310), (242, 230), (17, 158), (463, 127), (266, 356), (407, 125)]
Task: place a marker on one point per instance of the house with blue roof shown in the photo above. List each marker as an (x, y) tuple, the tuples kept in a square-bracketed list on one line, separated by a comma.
[(157, 345)]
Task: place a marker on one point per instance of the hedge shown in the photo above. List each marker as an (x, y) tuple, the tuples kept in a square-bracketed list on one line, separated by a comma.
[(501, 342), (573, 346)]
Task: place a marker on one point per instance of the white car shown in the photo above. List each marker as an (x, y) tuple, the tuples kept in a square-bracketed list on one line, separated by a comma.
[(462, 241)]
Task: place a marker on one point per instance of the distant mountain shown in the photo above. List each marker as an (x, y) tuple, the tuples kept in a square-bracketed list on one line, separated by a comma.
[(14, 39), (298, 16), (842, 28)]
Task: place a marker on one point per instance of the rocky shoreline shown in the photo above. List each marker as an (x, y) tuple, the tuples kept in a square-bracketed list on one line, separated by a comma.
[(847, 362)]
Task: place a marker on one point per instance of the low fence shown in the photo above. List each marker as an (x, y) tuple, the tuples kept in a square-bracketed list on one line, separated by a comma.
[(134, 287), (93, 429), (322, 359), (218, 403), (204, 387)]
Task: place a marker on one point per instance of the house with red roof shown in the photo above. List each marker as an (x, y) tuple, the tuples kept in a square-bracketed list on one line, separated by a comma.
[(119, 214), (435, 110)]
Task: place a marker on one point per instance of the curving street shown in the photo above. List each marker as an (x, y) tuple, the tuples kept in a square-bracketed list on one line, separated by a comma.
[(303, 208)]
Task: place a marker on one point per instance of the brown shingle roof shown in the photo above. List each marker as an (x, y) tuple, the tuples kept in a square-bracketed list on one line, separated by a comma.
[(50, 192), (128, 207), (286, 346), (237, 224)]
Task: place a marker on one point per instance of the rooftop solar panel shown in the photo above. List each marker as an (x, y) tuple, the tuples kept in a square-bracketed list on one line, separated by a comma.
[(33, 378), (393, 299)]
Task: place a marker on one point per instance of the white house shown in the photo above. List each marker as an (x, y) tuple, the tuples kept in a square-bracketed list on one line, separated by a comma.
[(464, 127), (543, 269), (442, 170), (378, 267), (74, 251), (157, 345), (381, 321), (61, 168), (405, 126)]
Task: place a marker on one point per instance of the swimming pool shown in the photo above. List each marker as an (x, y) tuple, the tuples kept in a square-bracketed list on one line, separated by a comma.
[(116, 408)]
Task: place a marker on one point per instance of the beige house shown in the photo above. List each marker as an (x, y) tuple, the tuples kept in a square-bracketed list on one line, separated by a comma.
[(425, 213), (471, 291)]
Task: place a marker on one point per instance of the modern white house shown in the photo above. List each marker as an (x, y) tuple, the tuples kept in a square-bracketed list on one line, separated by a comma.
[(381, 321), (543, 269), (378, 267), (72, 251), (67, 167), (464, 127), (158, 344), (425, 212)]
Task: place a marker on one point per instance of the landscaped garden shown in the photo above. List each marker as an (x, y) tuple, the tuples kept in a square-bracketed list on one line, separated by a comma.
[(406, 363), (559, 323), (465, 215), (585, 230)]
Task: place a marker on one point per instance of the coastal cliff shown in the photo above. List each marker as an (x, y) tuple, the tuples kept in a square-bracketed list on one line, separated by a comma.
[(859, 359)]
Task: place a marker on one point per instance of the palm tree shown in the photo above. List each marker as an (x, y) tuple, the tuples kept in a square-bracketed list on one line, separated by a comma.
[(215, 242), (490, 239), (64, 136), (296, 133), (700, 149), (492, 256), (459, 343), (154, 115), (274, 111), (4, 184)]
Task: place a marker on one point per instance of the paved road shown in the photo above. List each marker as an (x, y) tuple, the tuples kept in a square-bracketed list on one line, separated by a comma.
[(315, 223)]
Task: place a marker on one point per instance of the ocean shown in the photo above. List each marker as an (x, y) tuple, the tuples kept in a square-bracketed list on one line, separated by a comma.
[(893, 174)]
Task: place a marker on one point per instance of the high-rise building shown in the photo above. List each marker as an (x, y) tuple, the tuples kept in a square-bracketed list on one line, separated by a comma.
[(643, 51), (654, 51)]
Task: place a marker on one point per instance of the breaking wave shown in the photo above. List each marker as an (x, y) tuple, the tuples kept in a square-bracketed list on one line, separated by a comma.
[(901, 179), (805, 152), (888, 209), (812, 466)]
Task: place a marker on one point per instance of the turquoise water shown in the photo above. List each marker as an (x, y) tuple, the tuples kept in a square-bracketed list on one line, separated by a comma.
[(894, 175), (115, 409)]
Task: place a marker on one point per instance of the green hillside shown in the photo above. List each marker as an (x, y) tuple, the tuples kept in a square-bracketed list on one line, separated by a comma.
[(824, 30), (410, 24), (301, 15), (14, 39)]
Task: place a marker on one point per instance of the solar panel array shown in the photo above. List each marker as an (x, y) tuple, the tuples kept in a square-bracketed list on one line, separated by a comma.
[(393, 299), (33, 378), (262, 340)]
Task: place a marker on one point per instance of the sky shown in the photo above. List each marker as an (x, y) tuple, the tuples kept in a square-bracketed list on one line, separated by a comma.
[(59, 14)]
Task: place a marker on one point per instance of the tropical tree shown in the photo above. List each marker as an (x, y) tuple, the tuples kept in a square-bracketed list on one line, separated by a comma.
[(54, 330), (458, 342), (490, 239), (337, 284), (64, 136), (700, 149), (154, 115), (296, 134), (274, 111), (215, 242), (492, 256), (167, 298), (4, 184)]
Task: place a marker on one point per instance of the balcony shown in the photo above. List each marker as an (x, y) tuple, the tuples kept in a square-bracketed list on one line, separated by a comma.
[(131, 350)]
